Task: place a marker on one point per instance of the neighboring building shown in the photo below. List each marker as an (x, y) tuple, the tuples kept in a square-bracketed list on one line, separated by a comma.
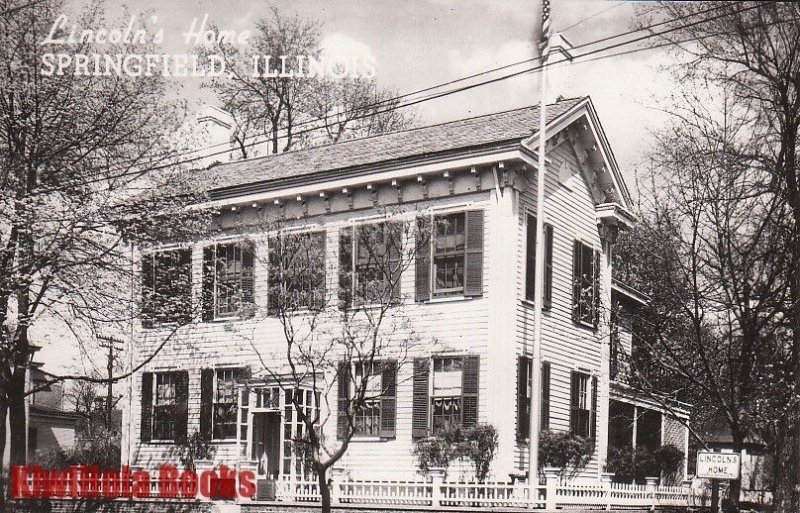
[(470, 294), (50, 426)]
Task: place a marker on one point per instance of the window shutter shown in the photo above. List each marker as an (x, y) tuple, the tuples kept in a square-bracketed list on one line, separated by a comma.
[(394, 243), (593, 415), (181, 407), (530, 259), (420, 401), (388, 399), (545, 395), (523, 402), (474, 258), (147, 407), (209, 275), (574, 417), (596, 289), (206, 402), (576, 280), (469, 391), (423, 260), (148, 282), (274, 287), (343, 395), (548, 267), (345, 267), (248, 275), (318, 297)]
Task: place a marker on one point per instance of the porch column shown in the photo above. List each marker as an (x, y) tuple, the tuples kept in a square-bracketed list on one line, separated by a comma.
[(608, 235)]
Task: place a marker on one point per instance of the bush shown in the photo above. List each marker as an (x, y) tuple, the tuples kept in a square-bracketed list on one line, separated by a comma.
[(564, 451), (196, 448), (645, 462), (102, 449), (477, 444)]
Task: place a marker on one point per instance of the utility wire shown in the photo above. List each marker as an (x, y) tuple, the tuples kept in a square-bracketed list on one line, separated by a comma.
[(441, 94)]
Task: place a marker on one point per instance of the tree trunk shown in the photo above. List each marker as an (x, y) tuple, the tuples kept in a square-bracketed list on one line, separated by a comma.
[(3, 433), (735, 486), (324, 490)]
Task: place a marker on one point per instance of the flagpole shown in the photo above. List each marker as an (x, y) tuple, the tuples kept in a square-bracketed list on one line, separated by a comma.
[(536, 364)]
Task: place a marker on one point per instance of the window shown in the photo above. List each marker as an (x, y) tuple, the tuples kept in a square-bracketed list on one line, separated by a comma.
[(445, 394), (446, 400), (449, 258), (524, 387), (166, 287), (583, 401), (530, 262), (296, 271), (228, 283), (585, 291), (164, 406), (225, 404), (367, 416), (374, 415), (297, 460), (370, 263)]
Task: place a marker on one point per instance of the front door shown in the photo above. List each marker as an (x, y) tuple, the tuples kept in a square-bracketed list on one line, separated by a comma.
[(266, 447)]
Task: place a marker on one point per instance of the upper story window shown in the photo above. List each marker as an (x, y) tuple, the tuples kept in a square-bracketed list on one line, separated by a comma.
[(228, 279), (585, 284), (450, 255), (167, 287), (370, 263), (530, 262), (296, 271), (583, 404)]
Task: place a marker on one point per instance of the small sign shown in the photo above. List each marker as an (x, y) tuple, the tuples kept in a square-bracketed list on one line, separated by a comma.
[(718, 465)]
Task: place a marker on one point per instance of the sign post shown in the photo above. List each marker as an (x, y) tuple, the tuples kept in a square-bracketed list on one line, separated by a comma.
[(718, 466)]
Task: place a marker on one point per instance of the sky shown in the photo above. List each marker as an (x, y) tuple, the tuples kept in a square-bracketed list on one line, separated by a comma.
[(420, 43)]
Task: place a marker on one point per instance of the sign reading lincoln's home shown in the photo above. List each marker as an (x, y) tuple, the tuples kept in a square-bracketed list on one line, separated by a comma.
[(718, 465)]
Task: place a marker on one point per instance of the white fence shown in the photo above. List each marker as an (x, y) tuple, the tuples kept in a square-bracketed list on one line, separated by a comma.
[(437, 493)]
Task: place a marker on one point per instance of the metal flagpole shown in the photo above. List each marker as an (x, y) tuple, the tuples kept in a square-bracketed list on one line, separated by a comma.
[(536, 403)]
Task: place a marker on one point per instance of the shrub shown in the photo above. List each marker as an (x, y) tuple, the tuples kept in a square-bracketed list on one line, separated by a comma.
[(645, 462), (564, 451), (101, 449), (196, 448), (477, 444)]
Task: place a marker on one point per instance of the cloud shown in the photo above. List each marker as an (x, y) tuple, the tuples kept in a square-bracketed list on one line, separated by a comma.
[(341, 44)]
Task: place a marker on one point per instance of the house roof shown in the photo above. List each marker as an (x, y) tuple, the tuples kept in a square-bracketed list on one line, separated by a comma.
[(490, 129)]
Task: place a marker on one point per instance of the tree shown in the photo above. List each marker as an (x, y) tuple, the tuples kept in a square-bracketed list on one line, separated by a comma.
[(295, 112), (708, 252), (752, 50), (341, 354), (74, 149)]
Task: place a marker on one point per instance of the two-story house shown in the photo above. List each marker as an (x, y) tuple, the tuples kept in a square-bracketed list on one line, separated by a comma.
[(468, 293)]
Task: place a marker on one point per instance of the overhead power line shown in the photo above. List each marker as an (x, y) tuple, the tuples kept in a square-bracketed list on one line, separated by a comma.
[(580, 58)]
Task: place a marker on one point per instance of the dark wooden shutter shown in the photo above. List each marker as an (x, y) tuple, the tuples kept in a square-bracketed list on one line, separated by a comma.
[(388, 399), (523, 401), (574, 416), (147, 407), (343, 395), (345, 267), (317, 251), (394, 243), (274, 286), (593, 414), (148, 283), (548, 267), (423, 259), (421, 400), (469, 390), (596, 289), (206, 402), (248, 275), (576, 280), (181, 407), (474, 257), (530, 259), (209, 276), (545, 395)]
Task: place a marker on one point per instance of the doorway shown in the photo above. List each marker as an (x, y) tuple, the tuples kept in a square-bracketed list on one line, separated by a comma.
[(266, 446)]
